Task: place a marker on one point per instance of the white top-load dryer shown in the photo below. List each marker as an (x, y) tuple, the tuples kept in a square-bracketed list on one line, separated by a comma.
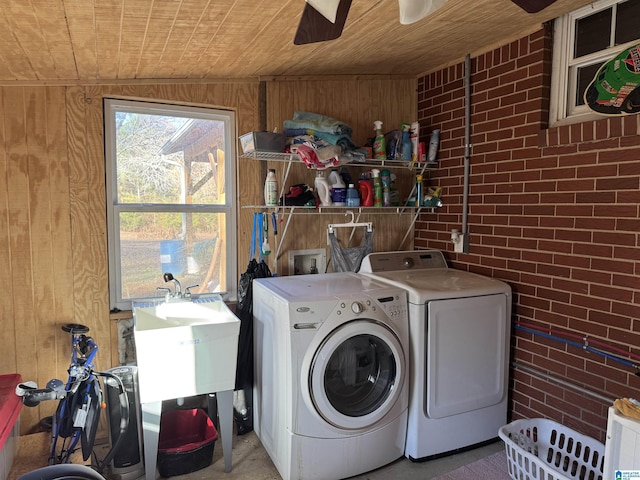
[(459, 325), (331, 380)]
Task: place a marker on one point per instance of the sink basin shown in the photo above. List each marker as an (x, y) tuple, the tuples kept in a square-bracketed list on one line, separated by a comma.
[(185, 348)]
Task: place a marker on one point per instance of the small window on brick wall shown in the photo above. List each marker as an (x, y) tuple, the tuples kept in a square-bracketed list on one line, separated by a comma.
[(583, 41)]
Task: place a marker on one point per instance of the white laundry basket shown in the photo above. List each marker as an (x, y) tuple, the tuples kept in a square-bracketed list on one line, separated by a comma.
[(540, 449)]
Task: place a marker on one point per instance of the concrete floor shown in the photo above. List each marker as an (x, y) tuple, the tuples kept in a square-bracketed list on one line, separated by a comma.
[(251, 461)]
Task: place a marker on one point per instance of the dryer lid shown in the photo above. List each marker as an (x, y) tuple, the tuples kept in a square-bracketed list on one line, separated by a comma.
[(425, 276), (435, 284)]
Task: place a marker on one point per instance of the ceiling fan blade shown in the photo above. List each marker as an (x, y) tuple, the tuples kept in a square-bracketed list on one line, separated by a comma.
[(413, 10), (533, 6), (314, 27)]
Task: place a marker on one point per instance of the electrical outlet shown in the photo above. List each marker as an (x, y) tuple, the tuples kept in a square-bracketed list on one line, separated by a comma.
[(458, 246)]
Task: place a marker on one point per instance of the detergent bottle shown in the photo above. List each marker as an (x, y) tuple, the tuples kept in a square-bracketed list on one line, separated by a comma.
[(377, 188), (353, 198), (366, 191), (338, 188), (323, 190), (379, 143)]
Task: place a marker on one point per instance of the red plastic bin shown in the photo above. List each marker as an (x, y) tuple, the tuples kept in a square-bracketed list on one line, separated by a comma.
[(186, 442), (10, 406)]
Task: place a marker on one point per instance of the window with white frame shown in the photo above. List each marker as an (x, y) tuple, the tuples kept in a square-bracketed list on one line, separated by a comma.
[(170, 181), (583, 40)]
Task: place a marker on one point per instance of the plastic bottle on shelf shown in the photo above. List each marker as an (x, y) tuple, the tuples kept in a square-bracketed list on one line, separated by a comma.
[(434, 143), (353, 198), (419, 194), (323, 190), (271, 189), (366, 191), (345, 175), (385, 176), (406, 142), (377, 188), (338, 188), (379, 143), (394, 195)]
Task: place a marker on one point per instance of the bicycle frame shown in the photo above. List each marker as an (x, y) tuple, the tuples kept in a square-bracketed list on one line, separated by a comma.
[(78, 411)]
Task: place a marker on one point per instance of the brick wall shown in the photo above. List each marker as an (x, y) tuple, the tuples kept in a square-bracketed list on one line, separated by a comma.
[(552, 211)]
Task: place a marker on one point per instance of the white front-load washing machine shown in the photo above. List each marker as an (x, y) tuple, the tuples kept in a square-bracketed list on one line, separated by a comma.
[(330, 373), (459, 324)]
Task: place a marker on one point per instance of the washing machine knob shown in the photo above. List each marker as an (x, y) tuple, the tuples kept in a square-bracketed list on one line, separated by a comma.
[(357, 307), (408, 262)]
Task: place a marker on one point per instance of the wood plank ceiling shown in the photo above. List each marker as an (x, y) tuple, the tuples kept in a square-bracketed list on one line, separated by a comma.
[(104, 40)]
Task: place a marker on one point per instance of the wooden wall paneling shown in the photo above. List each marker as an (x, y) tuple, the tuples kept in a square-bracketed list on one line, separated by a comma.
[(21, 268), (98, 280), (44, 275), (246, 99), (82, 220), (60, 214), (61, 240), (7, 340)]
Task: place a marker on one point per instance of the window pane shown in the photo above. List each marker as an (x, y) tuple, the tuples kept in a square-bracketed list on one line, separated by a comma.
[(627, 22), (585, 77), (168, 159), (185, 244), (593, 33)]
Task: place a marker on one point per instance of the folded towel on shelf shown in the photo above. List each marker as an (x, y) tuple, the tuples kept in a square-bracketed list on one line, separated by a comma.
[(309, 140), (318, 122), (311, 159)]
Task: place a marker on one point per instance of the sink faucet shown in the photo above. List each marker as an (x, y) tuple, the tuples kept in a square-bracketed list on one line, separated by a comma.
[(168, 277), (177, 293)]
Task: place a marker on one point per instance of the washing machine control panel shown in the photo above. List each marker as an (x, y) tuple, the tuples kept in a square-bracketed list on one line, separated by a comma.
[(357, 307), (394, 305)]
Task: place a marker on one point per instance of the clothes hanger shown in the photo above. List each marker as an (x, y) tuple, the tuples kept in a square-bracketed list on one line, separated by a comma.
[(351, 223)]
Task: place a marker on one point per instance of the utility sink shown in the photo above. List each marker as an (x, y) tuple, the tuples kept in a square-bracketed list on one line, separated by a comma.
[(184, 348)]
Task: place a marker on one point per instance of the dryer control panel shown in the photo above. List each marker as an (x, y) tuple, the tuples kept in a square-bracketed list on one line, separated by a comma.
[(399, 261)]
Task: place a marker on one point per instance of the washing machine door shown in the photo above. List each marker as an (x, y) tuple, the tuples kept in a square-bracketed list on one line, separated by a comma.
[(357, 374)]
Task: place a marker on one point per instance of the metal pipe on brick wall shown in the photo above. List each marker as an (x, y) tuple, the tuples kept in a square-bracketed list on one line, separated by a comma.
[(564, 383), (467, 150)]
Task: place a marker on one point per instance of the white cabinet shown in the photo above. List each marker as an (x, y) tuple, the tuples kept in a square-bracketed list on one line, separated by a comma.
[(622, 446)]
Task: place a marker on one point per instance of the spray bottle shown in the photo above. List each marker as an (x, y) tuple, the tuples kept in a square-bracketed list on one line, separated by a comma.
[(377, 188), (379, 143), (385, 176)]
